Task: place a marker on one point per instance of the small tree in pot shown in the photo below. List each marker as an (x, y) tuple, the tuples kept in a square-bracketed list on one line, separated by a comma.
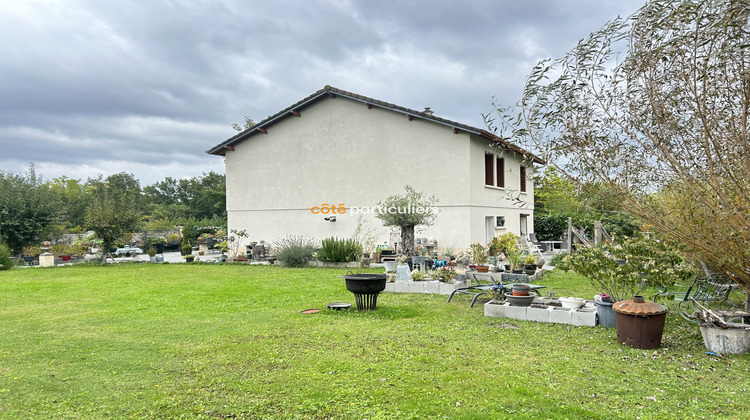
[(407, 212)]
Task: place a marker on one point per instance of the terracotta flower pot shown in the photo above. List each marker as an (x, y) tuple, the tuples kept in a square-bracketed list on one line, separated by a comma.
[(520, 290)]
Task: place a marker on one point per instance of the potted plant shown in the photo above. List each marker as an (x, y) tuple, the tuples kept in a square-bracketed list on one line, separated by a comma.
[(444, 275), (187, 249), (529, 263), (151, 251), (417, 275), (189, 258), (157, 242), (507, 241), (514, 257), (494, 247), (479, 256), (494, 307), (621, 271), (173, 239)]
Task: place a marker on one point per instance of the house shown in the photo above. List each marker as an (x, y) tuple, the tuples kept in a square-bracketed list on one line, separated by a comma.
[(318, 166)]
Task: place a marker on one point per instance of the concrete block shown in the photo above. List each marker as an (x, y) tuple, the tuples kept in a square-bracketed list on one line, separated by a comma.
[(446, 288), (460, 284), (432, 287), (584, 317), (47, 259), (416, 286), (401, 287), (390, 287), (559, 315), (495, 310), (516, 312), (538, 314)]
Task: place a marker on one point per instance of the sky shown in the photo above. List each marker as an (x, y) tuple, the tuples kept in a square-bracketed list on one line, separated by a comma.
[(90, 87)]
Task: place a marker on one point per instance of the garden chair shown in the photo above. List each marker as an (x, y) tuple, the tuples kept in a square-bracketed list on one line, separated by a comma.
[(712, 291), (530, 247), (480, 284)]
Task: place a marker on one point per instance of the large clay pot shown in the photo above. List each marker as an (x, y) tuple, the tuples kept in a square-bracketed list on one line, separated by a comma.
[(640, 323)]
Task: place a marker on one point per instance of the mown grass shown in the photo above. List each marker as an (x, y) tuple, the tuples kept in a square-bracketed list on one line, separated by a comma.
[(229, 341)]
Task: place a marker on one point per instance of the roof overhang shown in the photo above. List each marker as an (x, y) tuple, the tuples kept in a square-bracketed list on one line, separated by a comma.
[(327, 92)]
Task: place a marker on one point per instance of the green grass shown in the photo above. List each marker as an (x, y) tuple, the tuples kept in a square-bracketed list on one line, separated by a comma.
[(229, 341)]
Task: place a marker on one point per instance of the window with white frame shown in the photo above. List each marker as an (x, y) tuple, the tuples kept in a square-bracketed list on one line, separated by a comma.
[(494, 170)]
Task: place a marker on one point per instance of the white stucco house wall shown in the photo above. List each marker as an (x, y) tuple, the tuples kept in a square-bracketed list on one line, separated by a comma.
[(340, 148)]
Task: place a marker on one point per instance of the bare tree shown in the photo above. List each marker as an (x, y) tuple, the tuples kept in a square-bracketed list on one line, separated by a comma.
[(655, 108)]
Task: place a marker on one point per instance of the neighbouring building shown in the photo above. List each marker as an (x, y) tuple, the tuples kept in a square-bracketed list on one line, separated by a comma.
[(338, 148)]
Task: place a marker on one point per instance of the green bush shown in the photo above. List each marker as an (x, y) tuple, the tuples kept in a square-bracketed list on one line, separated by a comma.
[(6, 262), (339, 250), (623, 270), (295, 251), (558, 259)]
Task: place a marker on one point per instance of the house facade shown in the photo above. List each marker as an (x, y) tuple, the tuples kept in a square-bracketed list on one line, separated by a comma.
[(318, 167)]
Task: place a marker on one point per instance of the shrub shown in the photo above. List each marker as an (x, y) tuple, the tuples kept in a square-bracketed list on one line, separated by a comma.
[(6, 262), (558, 259), (295, 251), (625, 269), (339, 250), (156, 240)]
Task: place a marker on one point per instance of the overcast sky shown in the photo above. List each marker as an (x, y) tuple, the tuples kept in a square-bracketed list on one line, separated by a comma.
[(92, 87)]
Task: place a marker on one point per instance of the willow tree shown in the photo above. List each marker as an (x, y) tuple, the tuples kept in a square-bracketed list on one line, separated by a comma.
[(406, 212), (655, 107)]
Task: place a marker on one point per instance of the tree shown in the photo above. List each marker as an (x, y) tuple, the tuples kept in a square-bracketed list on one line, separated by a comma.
[(197, 197), (248, 124), (557, 198), (27, 206), (406, 212), (654, 110), (120, 187), (110, 218), (74, 197)]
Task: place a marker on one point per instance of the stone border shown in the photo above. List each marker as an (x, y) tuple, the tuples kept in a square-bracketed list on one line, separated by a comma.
[(440, 288), (429, 287), (539, 311)]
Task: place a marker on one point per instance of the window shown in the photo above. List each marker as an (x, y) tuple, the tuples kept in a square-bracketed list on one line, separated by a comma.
[(494, 171), (488, 169), (523, 179), (500, 221)]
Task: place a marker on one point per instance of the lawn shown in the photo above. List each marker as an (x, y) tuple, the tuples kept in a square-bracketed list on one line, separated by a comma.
[(229, 341)]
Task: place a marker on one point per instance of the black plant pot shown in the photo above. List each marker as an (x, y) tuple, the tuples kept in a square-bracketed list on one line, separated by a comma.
[(366, 288)]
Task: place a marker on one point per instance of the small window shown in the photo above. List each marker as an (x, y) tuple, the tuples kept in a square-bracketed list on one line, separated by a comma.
[(523, 179), (500, 221)]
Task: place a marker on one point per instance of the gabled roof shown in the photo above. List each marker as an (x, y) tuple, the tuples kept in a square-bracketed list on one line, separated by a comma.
[(331, 92)]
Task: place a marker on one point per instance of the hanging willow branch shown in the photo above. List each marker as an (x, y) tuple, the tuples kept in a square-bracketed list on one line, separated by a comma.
[(655, 109)]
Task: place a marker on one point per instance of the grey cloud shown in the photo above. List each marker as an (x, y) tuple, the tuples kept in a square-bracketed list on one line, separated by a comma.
[(93, 85)]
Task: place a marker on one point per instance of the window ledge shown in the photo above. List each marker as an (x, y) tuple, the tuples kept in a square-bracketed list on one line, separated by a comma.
[(492, 187)]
